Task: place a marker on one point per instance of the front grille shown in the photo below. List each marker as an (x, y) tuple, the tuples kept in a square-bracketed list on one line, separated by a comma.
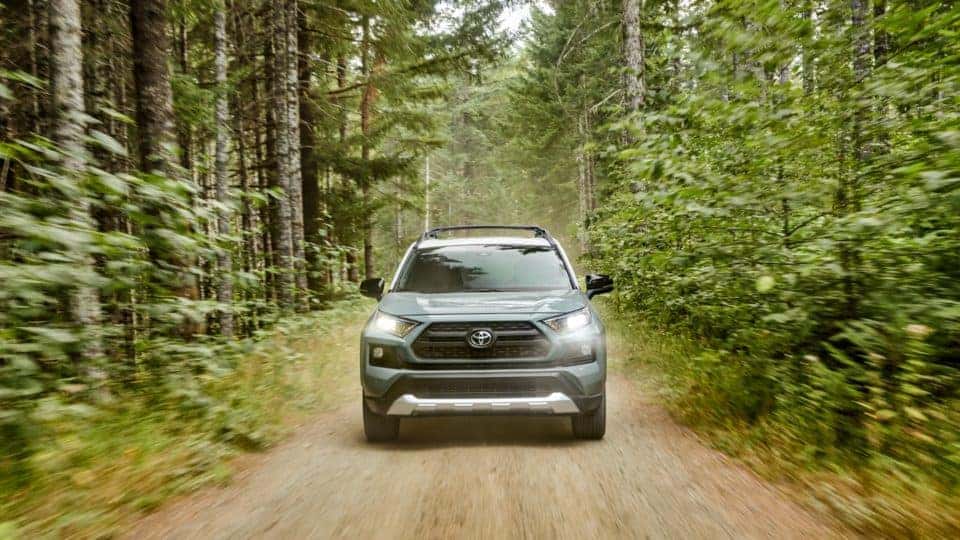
[(514, 339), (481, 387)]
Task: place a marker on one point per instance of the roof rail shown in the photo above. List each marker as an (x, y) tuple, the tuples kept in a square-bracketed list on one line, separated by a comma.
[(538, 232), (434, 233)]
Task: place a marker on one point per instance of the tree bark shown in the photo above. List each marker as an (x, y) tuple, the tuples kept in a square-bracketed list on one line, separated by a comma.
[(861, 68), (309, 159), (426, 193), (367, 102), (69, 125), (281, 135), (301, 298), (633, 52), (152, 80), (267, 172), (224, 263), (184, 132), (156, 131), (350, 258), (807, 54)]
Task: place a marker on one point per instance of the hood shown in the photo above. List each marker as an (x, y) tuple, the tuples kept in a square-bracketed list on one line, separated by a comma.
[(485, 303)]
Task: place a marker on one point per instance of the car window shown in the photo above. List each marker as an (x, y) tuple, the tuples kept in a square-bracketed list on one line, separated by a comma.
[(484, 268)]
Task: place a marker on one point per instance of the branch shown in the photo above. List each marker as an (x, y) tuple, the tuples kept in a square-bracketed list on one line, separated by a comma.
[(806, 222), (362, 83)]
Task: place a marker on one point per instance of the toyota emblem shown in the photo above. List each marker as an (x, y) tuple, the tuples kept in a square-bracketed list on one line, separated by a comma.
[(481, 338)]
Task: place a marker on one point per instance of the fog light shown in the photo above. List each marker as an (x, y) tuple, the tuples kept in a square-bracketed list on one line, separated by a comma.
[(377, 352)]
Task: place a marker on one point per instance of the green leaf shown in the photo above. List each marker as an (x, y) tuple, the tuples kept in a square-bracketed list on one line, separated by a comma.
[(885, 414), (915, 413), (765, 284), (108, 143)]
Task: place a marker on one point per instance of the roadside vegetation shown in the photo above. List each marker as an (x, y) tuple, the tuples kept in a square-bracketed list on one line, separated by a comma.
[(711, 393), (92, 470)]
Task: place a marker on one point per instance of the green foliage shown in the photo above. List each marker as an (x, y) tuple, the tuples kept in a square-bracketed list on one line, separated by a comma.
[(806, 236), (84, 470)]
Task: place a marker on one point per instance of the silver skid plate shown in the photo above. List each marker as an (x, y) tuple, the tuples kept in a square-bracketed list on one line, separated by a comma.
[(411, 405)]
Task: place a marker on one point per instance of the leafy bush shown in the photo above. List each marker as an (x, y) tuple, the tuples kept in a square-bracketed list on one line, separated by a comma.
[(75, 469), (807, 237)]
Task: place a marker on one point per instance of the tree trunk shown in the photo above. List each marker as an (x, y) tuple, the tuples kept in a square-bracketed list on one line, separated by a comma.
[(281, 136), (426, 193), (807, 54), (310, 160), (352, 273), (633, 52), (184, 133), (152, 80), (582, 182), (861, 68), (294, 168), (69, 123), (264, 148), (367, 101), (240, 123), (155, 130), (224, 263), (398, 219)]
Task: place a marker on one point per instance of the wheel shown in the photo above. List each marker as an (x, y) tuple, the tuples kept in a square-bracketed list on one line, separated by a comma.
[(379, 427), (593, 424)]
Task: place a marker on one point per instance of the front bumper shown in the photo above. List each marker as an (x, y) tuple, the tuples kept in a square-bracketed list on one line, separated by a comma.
[(402, 392), (416, 391)]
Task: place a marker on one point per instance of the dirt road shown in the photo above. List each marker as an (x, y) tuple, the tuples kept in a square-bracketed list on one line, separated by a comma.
[(491, 478)]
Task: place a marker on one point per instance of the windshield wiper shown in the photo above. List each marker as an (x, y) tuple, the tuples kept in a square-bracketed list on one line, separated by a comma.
[(485, 290)]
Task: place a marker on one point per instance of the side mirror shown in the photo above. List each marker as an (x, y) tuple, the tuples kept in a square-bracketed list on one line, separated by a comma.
[(372, 287), (598, 284)]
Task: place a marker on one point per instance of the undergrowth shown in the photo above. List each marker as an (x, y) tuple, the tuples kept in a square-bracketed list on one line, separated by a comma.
[(95, 468), (872, 492)]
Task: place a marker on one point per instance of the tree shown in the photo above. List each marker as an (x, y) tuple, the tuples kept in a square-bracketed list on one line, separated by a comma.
[(309, 155), (154, 98), (69, 124), (367, 103), (280, 100), (224, 262), (292, 124), (157, 146), (633, 53)]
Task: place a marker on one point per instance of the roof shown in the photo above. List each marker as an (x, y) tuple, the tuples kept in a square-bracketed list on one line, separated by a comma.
[(484, 240)]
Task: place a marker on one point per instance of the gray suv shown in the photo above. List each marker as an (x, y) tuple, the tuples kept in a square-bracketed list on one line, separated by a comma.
[(484, 325)]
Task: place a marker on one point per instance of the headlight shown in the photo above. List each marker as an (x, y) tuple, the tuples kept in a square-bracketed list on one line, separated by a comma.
[(393, 325), (571, 321)]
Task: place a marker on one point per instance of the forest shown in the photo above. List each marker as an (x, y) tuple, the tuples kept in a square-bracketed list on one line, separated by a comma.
[(773, 184)]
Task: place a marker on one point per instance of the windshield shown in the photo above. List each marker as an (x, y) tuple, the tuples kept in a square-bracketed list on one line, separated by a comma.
[(484, 268)]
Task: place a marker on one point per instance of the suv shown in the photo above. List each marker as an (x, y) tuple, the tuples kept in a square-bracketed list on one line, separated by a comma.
[(484, 325)]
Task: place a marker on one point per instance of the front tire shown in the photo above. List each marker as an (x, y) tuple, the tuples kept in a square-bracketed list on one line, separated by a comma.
[(593, 424), (379, 427)]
